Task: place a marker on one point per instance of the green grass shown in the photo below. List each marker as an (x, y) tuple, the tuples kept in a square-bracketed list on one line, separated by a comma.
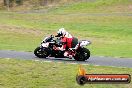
[(31, 74), (111, 35), (95, 7)]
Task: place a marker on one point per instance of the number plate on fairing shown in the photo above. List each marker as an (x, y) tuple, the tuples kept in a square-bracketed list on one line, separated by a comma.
[(85, 43), (45, 44)]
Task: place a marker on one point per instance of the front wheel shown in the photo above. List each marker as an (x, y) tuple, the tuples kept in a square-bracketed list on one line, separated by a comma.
[(41, 53), (82, 54)]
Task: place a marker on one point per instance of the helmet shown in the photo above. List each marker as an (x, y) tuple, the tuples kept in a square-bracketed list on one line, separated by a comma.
[(61, 32)]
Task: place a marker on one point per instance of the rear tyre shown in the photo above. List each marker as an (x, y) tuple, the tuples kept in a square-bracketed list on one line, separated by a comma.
[(41, 53), (82, 54)]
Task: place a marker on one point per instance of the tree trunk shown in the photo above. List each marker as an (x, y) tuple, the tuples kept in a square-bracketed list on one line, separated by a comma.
[(19, 2), (5, 3), (43, 2), (8, 3)]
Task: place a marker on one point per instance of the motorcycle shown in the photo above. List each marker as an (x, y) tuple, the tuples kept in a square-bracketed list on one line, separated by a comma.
[(47, 49)]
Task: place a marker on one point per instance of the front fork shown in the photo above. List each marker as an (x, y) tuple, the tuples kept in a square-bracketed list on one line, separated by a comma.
[(41, 48)]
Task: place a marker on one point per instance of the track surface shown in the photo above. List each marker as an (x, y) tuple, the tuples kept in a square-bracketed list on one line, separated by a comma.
[(103, 61)]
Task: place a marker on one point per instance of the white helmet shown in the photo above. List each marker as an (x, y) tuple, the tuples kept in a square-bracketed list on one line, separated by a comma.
[(62, 31)]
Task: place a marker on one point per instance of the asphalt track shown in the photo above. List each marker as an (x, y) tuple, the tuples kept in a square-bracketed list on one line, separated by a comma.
[(94, 60)]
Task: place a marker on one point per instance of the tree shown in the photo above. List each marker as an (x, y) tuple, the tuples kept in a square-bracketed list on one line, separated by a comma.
[(7, 3), (43, 2), (19, 2)]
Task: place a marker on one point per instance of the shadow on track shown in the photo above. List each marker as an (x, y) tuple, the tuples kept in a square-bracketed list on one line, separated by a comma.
[(63, 60)]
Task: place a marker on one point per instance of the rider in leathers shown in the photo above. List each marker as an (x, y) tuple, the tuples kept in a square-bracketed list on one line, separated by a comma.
[(66, 38)]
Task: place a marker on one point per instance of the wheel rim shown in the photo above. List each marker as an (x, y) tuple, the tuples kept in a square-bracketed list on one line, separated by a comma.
[(86, 55), (83, 56), (41, 53)]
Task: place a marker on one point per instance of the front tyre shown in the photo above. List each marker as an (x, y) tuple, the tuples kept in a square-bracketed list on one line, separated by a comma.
[(41, 53), (82, 54)]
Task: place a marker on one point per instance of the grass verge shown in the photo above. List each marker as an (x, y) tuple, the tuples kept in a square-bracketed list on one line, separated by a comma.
[(39, 74)]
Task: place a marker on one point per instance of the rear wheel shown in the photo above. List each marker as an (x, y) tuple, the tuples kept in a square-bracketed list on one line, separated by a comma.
[(82, 54), (41, 53)]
